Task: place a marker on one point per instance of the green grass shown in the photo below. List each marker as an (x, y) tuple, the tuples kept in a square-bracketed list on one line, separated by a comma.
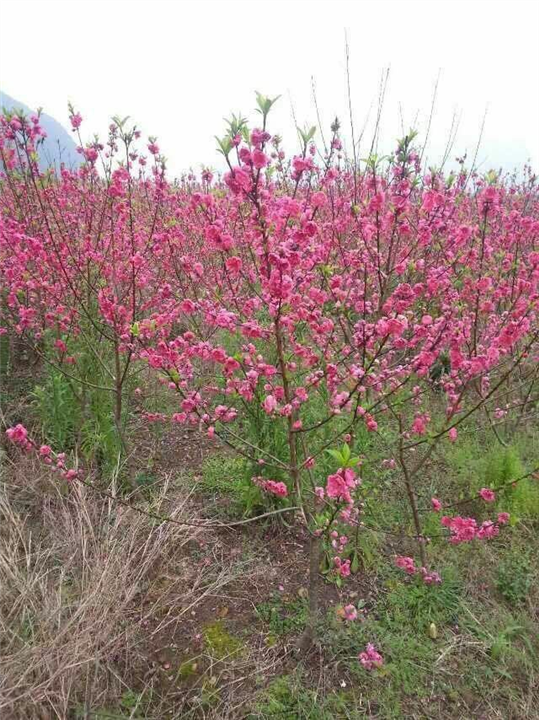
[(228, 481), (283, 616)]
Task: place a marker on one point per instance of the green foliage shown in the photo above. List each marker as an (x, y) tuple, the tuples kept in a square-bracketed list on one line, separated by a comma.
[(72, 418), (146, 481), (265, 104), (187, 670), (476, 468), (57, 410), (502, 465), (5, 359), (510, 641), (423, 604), (288, 698), (283, 616), (229, 478), (503, 643), (343, 457), (514, 578)]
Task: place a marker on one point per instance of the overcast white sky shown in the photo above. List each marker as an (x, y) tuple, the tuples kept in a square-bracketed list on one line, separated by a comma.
[(178, 67)]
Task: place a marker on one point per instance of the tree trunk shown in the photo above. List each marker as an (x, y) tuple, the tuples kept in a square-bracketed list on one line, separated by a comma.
[(313, 595)]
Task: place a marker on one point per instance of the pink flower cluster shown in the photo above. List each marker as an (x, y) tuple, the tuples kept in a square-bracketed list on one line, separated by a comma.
[(340, 485), (342, 567), (466, 529), (19, 436), (348, 612), (271, 486), (487, 495), (370, 658), (408, 565)]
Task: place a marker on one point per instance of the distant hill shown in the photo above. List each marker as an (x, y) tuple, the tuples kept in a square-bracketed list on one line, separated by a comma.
[(58, 146)]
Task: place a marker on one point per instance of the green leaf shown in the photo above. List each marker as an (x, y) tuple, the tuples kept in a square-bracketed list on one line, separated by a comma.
[(265, 103), (336, 455), (225, 145)]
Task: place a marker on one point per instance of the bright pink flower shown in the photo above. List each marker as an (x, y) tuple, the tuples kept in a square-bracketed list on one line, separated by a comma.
[(419, 426), (436, 504), (260, 159), (75, 120), (487, 495), (275, 488), (350, 613), (318, 199), (234, 264), (370, 423), (370, 658), (269, 404), (17, 434), (342, 566), (406, 563), (503, 518), (340, 484), (430, 578)]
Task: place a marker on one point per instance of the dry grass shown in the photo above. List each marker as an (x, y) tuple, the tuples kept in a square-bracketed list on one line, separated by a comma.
[(79, 576)]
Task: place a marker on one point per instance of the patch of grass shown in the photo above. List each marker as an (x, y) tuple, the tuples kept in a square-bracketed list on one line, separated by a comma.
[(229, 478), (514, 577), (71, 417), (421, 604), (283, 616), (510, 648), (5, 356), (288, 698)]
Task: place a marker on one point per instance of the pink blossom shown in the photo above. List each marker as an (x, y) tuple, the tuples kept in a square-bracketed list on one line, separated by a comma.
[(406, 563), (349, 613), (269, 404), (76, 120), (340, 484), (275, 488), (342, 566), (430, 578), (260, 159), (234, 264), (17, 434), (370, 658), (487, 530), (487, 495)]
